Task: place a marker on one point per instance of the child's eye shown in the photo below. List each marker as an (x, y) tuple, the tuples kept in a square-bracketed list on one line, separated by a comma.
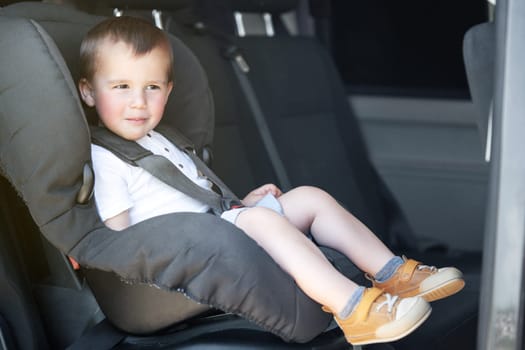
[(121, 86), (152, 87)]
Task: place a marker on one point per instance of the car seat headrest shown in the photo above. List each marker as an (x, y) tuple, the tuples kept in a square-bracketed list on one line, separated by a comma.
[(260, 18)]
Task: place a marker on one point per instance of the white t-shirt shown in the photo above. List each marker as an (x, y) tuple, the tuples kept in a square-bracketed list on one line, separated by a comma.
[(120, 186)]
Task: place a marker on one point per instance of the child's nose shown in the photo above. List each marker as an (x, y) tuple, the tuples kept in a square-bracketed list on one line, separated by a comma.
[(138, 99)]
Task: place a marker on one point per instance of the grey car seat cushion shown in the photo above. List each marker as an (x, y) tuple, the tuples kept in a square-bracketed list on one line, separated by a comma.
[(44, 147)]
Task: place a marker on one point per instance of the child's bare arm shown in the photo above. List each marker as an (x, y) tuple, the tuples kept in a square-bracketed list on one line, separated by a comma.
[(119, 221)]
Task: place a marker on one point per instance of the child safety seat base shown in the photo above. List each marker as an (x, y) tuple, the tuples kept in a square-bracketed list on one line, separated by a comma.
[(197, 260)]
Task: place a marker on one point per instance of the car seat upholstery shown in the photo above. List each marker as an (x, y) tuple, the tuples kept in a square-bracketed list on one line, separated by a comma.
[(197, 257)]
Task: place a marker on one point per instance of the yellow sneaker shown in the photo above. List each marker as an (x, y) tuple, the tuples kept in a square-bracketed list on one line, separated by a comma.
[(415, 279), (380, 317)]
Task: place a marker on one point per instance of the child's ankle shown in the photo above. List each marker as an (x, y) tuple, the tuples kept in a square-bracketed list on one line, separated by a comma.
[(389, 269), (350, 306)]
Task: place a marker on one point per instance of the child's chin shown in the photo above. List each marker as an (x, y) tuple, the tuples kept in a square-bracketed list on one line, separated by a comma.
[(131, 136)]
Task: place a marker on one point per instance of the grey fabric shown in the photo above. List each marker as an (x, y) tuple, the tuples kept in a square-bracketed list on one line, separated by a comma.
[(222, 268), (44, 145), (479, 53), (42, 104)]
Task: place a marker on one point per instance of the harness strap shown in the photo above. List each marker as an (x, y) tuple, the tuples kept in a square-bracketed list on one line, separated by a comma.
[(164, 170)]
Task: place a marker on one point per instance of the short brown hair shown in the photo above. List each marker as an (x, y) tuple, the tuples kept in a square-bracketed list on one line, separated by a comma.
[(139, 34)]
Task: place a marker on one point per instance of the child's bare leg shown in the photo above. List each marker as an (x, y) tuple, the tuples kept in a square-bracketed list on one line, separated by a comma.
[(365, 315), (298, 256), (312, 209)]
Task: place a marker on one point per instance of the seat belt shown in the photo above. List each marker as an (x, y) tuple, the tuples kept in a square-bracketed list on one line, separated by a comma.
[(160, 167), (231, 52), (241, 69)]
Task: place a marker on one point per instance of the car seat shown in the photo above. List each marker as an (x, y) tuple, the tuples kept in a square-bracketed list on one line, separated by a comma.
[(44, 154)]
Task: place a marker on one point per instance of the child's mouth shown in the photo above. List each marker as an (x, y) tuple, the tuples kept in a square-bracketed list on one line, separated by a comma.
[(137, 120)]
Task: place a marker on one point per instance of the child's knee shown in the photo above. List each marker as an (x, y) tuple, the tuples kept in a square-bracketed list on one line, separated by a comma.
[(257, 216), (311, 192)]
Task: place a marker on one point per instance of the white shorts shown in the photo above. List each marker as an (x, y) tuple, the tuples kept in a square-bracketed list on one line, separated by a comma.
[(269, 201)]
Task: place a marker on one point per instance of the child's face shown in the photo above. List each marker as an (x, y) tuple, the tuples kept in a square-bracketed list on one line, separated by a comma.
[(128, 91)]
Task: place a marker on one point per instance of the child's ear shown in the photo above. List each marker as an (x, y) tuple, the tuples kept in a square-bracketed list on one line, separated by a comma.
[(170, 86), (86, 92)]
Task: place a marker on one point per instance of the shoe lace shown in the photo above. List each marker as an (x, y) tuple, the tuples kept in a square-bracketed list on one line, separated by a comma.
[(427, 267), (389, 301)]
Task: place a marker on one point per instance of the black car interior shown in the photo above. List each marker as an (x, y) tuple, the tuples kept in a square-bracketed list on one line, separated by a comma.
[(279, 114)]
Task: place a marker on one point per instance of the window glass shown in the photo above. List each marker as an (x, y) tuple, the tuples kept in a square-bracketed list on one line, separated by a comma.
[(409, 47)]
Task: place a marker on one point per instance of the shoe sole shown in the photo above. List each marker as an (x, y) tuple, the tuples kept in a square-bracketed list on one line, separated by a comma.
[(448, 281), (426, 313), (444, 290)]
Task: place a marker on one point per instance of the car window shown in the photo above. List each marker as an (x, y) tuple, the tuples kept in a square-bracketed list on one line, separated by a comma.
[(403, 47)]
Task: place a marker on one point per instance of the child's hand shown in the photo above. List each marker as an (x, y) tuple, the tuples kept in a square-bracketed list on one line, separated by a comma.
[(257, 194)]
